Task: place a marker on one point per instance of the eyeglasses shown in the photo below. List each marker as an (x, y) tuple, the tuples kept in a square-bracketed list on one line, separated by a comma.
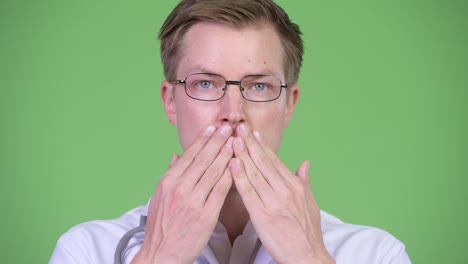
[(212, 87)]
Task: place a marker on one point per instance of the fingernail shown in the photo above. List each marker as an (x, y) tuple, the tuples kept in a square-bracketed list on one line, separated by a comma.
[(240, 143), (257, 135), (229, 142), (209, 130), (225, 130), (243, 129)]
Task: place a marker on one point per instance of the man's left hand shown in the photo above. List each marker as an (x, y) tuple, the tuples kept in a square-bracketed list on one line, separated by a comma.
[(281, 204)]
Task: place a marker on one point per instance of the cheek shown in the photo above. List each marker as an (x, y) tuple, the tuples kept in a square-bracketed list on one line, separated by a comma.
[(270, 123), (191, 120)]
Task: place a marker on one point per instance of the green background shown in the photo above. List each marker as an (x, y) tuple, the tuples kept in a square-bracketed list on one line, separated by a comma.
[(382, 116)]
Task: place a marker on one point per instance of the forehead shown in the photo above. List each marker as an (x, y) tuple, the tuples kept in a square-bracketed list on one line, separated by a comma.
[(231, 52)]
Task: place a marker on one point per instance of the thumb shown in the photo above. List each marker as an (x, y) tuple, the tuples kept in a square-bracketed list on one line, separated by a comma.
[(303, 170)]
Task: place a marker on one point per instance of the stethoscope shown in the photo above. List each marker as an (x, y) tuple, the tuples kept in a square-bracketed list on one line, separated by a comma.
[(123, 247)]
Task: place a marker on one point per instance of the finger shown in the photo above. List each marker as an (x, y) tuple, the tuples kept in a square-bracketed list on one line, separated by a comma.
[(205, 157), (156, 210), (187, 158), (212, 175), (215, 200), (303, 171), (250, 198), (280, 166), (254, 175), (261, 159)]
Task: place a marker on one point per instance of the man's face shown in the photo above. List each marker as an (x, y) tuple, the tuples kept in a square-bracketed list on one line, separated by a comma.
[(233, 54)]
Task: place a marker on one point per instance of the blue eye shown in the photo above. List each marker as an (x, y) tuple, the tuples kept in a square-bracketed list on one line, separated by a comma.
[(204, 84), (259, 86)]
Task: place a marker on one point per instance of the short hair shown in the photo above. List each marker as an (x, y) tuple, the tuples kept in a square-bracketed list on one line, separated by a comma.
[(237, 14)]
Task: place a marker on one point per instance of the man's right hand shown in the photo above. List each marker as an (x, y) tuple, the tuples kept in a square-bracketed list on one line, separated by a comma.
[(186, 204)]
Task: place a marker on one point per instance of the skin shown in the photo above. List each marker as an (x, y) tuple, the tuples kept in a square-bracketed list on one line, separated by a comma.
[(229, 171)]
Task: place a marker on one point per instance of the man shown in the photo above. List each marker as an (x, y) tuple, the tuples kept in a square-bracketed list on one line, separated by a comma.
[(231, 72)]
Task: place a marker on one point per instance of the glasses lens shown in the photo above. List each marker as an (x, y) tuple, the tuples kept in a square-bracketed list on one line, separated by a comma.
[(261, 88), (205, 86)]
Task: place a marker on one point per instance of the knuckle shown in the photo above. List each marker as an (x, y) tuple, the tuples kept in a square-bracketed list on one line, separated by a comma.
[(201, 160), (250, 191), (194, 203), (297, 185), (266, 161), (212, 175), (195, 147), (286, 195), (179, 191), (165, 184), (256, 175)]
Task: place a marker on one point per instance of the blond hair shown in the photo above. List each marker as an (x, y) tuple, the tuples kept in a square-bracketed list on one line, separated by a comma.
[(237, 14)]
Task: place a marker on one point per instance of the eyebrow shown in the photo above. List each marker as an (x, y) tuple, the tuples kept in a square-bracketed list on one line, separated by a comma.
[(202, 69)]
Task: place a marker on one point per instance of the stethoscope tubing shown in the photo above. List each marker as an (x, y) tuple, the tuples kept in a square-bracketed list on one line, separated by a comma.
[(122, 249)]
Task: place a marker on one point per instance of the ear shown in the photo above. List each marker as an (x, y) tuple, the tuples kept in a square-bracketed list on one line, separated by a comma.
[(292, 98), (167, 98)]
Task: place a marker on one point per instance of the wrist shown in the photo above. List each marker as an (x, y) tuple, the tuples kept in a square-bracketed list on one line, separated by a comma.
[(141, 258)]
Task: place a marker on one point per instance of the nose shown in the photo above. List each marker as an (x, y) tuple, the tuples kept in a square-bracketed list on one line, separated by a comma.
[(232, 106)]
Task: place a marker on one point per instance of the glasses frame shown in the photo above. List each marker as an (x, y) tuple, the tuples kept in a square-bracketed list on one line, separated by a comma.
[(229, 82)]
